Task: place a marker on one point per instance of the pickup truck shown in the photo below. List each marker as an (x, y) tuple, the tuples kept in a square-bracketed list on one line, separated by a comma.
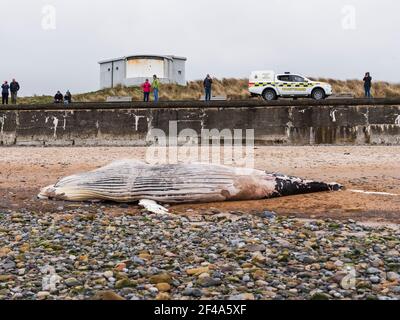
[(271, 86)]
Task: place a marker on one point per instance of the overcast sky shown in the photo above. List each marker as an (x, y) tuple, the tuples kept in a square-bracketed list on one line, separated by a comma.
[(227, 38)]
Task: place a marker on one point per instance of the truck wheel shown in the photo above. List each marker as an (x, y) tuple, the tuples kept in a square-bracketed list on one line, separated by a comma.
[(269, 95), (318, 94)]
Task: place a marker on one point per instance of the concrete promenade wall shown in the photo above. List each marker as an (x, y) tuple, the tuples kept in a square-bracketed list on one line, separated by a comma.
[(303, 122)]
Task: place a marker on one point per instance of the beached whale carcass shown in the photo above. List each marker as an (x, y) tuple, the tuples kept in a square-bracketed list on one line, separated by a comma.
[(132, 181)]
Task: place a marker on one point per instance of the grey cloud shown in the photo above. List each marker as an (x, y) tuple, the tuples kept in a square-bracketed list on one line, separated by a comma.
[(227, 38)]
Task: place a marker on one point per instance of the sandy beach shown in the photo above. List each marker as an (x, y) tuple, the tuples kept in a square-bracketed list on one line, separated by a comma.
[(23, 171)]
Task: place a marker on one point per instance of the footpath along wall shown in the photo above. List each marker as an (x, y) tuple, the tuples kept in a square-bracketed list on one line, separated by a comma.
[(303, 122)]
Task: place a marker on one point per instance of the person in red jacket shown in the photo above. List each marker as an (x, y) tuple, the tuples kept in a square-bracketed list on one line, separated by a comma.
[(146, 90)]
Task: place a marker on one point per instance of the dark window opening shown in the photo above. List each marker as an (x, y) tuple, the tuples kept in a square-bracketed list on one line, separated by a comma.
[(109, 69), (284, 78), (179, 72), (297, 79), (117, 68)]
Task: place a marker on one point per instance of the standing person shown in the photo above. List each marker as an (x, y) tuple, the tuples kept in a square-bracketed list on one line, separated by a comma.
[(146, 86), (14, 88), (58, 98), (156, 87), (68, 97), (4, 92), (208, 87), (367, 85)]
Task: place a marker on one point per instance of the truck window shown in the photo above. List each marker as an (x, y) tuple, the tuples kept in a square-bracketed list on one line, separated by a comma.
[(285, 78), (297, 79)]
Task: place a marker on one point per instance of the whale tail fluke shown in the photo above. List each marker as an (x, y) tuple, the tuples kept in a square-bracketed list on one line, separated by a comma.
[(335, 186), (288, 186)]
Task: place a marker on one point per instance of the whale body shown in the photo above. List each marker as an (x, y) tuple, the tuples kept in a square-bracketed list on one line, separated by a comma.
[(128, 181)]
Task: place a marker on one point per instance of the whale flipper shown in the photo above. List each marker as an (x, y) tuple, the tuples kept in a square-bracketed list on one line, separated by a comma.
[(153, 206)]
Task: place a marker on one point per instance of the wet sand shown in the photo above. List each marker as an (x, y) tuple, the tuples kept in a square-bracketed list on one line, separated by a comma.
[(23, 171)]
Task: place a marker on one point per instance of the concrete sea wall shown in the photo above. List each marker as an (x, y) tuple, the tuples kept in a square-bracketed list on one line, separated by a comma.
[(347, 122)]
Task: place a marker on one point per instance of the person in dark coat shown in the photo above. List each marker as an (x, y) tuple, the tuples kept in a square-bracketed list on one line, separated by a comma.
[(208, 87), (68, 97), (4, 92), (58, 98), (367, 85), (14, 88)]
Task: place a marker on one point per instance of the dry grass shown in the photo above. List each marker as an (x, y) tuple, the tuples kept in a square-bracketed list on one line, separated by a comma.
[(356, 87), (232, 88)]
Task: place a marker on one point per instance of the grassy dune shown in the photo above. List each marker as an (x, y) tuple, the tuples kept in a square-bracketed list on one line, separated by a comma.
[(233, 88)]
